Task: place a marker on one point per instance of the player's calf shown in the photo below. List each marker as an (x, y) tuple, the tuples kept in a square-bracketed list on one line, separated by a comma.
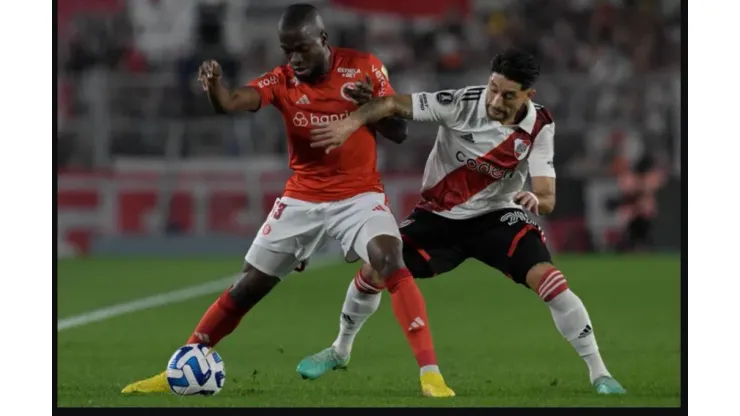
[(386, 257), (252, 286), (572, 321), (224, 315)]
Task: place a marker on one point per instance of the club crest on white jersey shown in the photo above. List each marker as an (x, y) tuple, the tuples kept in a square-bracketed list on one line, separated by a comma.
[(521, 148)]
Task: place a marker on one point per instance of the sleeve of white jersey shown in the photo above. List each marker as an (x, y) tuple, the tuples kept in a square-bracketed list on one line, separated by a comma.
[(543, 152), (439, 107)]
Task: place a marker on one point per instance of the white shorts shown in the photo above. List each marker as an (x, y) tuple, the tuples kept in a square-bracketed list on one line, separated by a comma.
[(295, 229)]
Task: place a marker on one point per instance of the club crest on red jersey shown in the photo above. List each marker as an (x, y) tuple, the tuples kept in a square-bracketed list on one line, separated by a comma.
[(521, 148), (343, 93)]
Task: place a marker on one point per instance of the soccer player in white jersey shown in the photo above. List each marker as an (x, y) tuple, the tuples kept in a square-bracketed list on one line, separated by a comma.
[(472, 203)]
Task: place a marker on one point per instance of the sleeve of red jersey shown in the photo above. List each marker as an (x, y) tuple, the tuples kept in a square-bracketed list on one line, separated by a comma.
[(267, 85), (379, 75), (543, 152)]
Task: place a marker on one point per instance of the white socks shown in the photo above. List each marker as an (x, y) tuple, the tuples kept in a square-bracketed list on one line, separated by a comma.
[(362, 300), (571, 319), (568, 312)]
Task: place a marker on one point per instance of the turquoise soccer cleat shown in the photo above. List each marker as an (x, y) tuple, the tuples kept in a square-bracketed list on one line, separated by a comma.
[(315, 366), (608, 385)]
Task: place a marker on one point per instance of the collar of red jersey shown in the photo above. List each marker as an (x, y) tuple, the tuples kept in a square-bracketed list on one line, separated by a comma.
[(527, 124)]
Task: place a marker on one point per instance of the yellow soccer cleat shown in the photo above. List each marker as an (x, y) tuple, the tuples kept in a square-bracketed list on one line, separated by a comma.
[(156, 384), (433, 385)]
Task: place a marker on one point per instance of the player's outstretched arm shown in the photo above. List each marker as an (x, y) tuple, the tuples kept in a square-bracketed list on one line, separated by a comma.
[(223, 100), (373, 111), (335, 134), (394, 129)]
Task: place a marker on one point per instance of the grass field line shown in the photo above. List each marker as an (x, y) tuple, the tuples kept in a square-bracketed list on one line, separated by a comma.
[(162, 299)]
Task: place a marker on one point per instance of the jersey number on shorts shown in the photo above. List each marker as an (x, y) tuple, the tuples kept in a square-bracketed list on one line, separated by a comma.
[(278, 210)]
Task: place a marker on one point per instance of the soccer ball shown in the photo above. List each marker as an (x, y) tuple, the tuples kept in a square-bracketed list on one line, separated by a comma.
[(195, 369)]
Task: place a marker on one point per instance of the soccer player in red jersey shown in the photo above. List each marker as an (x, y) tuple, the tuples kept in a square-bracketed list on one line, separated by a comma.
[(335, 194)]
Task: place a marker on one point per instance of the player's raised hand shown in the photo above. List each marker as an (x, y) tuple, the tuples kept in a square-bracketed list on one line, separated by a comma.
[(529, 201), (361, 92), (334, 134), (209, 74)]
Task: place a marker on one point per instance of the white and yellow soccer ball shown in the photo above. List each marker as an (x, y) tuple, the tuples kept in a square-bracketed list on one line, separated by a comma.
[(195, 369)]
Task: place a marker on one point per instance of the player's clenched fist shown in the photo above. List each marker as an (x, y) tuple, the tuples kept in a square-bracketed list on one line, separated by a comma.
[(529, 201), (209, 74)]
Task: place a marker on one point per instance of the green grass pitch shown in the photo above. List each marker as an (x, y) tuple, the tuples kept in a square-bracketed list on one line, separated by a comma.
[(496, 342)]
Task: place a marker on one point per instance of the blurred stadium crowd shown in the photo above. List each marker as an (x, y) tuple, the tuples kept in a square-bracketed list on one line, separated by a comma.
[(611, 72), (611, 77)]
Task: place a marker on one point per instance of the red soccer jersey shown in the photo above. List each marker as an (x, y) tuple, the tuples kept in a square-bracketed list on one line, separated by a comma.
[(352, 168)]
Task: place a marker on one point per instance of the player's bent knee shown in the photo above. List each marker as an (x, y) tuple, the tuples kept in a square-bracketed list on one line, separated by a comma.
[(386, 264), (378, 242), (368, 274), (547, 281), (536, 274), (385, 255)]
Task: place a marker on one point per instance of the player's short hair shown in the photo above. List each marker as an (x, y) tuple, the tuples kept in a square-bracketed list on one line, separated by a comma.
[(517, 65), (298, 14)]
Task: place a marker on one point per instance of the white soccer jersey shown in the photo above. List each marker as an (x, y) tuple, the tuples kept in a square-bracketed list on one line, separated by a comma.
[(477, 164)]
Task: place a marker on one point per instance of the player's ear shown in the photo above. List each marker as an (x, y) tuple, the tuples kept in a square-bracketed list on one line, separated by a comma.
[(324, 38), (531, 92)]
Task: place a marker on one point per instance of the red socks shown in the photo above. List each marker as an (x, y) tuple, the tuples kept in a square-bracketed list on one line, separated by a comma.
[(221, 318), (411, 312)]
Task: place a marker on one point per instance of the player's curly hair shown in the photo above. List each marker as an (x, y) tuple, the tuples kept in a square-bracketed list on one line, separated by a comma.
[(517, 65)]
